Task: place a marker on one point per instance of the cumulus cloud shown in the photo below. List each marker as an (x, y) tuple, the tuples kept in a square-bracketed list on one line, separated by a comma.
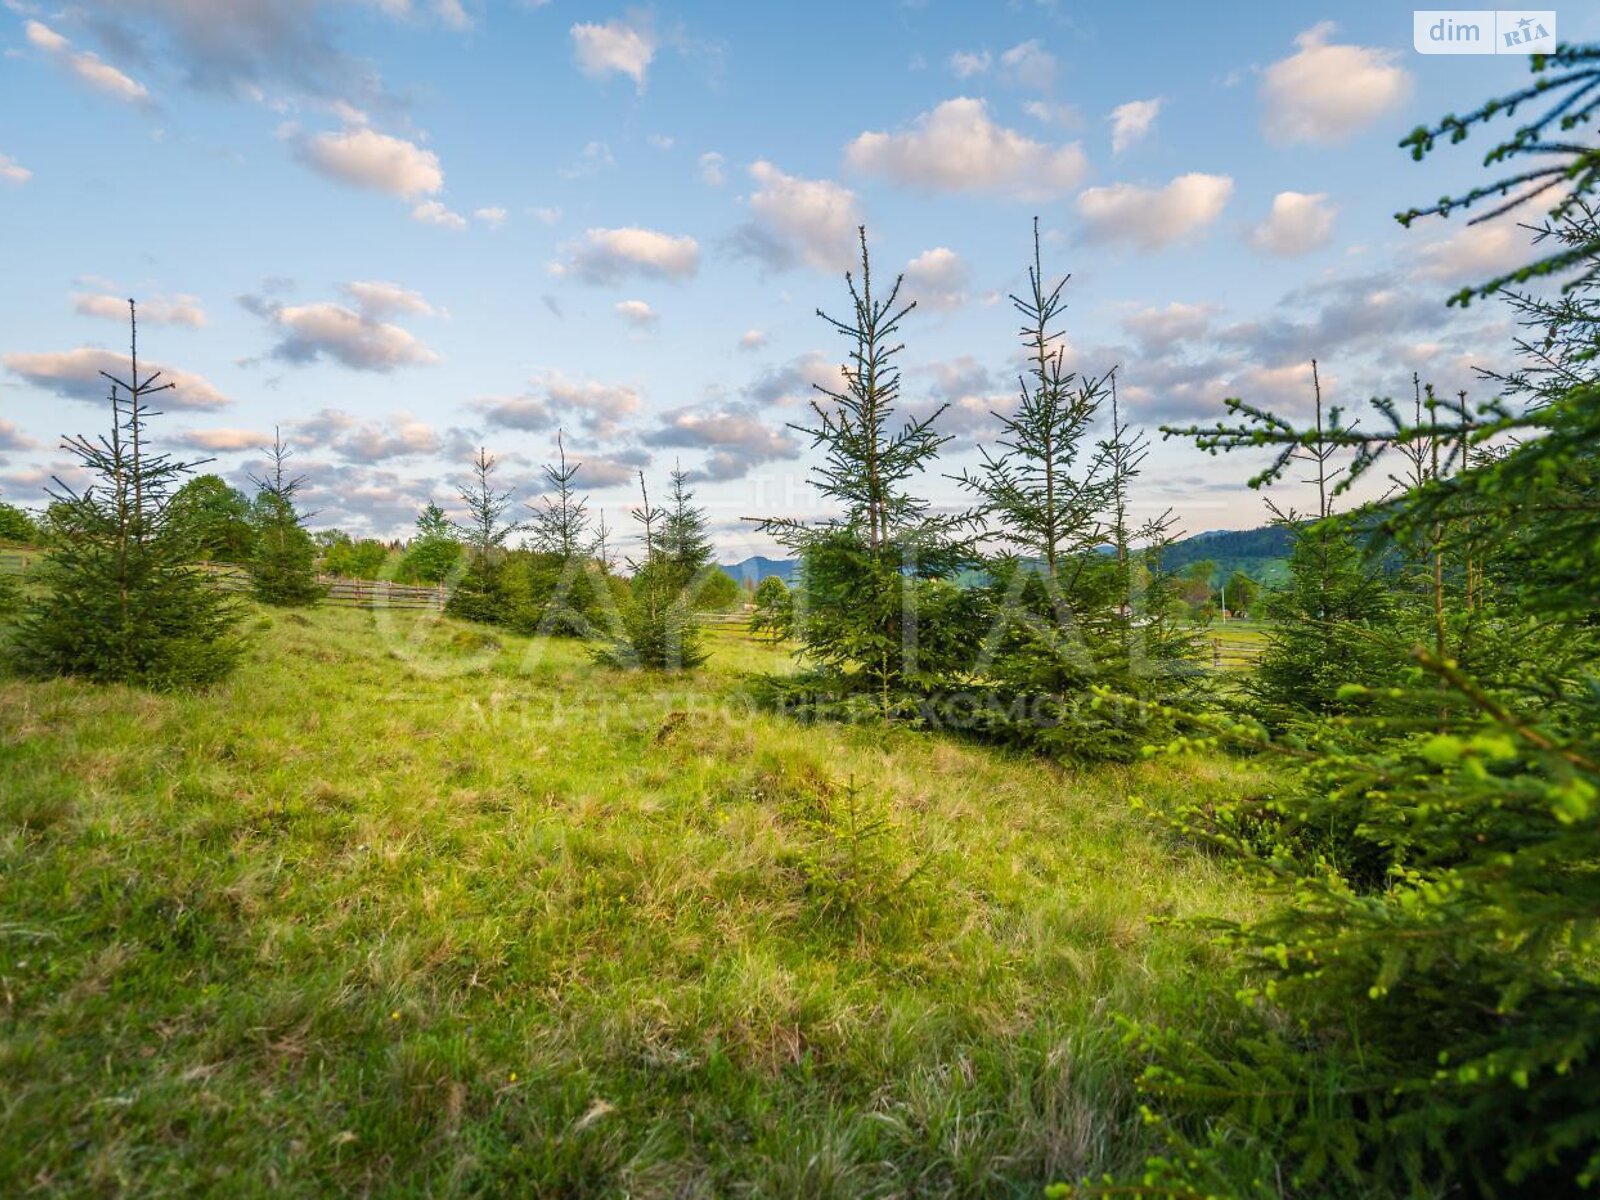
[(11, 171), (555, 401), (432, 212), (711, 169), (1150, 218), (378, 299), (752, 339), (622, 46), (88, 68), (1131, 121), (157, 310), (401, 436), (957, 147), (1299, 223), (355, 337), (735, 437), (1474, 253), (245, 48), (637, 312), (937, 279), (75, 375), (794, 383), (966, 390), (1326, 92), (545, 216), (607, 256), (12, 438), (493, 217), (966, 63), (620, 468), (366, 158), (222, 440), (1158, 330), (809, 221), (1028, 65)]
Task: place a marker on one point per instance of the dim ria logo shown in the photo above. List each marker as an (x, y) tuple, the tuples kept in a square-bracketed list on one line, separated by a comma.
[(1483, 31)]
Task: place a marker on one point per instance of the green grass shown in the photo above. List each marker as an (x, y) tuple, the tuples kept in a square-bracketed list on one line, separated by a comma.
[(405, 909)]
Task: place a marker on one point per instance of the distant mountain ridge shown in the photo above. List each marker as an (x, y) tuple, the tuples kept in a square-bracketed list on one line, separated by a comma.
[(1262, 554)]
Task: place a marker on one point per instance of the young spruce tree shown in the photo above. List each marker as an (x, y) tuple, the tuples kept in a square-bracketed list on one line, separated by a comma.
[(119, 597), (882, 623), (283, 565)]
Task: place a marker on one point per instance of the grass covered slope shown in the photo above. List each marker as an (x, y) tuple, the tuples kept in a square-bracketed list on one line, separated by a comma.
[(400, 911)]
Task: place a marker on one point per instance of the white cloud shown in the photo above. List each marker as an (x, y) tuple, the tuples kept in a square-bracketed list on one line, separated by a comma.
[(736, 437), (956, 147), (1029, 65), (810, 221), (599, 408), (711, 169), (12, 438), (1324, 93), (937, 278), (795, 383), (966, 64), (545, 216), (219, 440), (607, 256), (636, 312), (1150, 218), (493, 216), (752, 339), (378, 299), (1131, 121), (1300, 222), (89, 68), (1159, 329), (157, 310), (1474, 253), (355, 337), (432, 212), (75, 374), (369, 159), (619, 47), (11, 171)]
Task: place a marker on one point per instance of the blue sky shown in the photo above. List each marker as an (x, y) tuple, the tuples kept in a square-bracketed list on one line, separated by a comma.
[(401, 229)]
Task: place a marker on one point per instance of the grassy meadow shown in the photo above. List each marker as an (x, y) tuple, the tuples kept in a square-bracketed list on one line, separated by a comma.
[(403, 908)]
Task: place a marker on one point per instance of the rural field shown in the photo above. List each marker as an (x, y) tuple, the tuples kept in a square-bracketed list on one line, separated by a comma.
[(405, 907), (885, 599)]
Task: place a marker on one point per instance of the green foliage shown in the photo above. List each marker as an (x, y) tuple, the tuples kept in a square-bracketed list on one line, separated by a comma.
[(363, 559), (858, 880), (434, 553), (711, 589), (119, 598), (655, 626), (865, 573), (481, 593), (1417, 1012), (1240, 592), (1562, 163), (215, 517), (282, 566), (17, 526), (773, 617)]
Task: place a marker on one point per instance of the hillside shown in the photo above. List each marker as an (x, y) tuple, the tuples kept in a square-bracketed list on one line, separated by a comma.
[(1262, 554), (406, 908)]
